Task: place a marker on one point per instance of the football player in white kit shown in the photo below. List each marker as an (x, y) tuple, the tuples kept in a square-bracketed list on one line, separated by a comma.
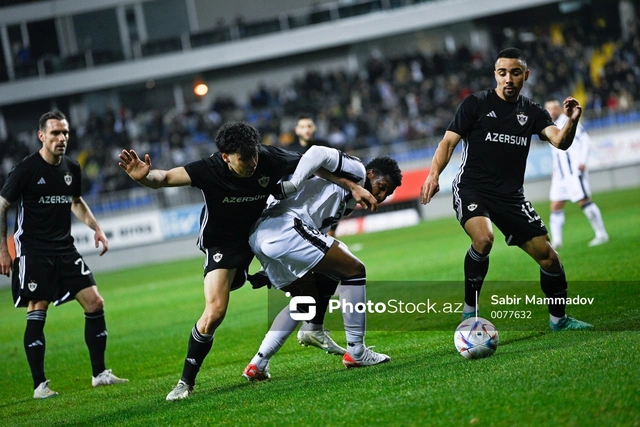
[(570, 181), (289, 240)]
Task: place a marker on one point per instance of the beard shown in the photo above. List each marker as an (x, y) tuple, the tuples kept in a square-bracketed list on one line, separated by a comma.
[(510, 92)]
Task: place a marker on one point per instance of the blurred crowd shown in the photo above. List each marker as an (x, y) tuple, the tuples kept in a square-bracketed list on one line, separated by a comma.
[(389, 100)]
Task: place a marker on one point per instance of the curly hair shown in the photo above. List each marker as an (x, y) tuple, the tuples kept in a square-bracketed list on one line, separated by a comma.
[(240, 138), (54, 114), (384, 165)]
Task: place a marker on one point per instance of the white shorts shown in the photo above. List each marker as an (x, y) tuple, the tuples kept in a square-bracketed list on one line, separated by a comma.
[(572, 187), (288, 248)]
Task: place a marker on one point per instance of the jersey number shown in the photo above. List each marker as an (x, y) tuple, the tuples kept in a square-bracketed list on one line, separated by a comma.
[(83, 268), (530, 212)]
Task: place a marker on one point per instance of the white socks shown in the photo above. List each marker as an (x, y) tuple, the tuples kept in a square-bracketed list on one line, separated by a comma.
[(308, 326), (282, 327), (354, 300), (468, 308), (556, 222), (594, 216), (555, 319), (591, 211)]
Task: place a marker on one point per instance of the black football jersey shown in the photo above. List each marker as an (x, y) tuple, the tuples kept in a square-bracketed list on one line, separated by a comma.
[(297, 147), (233, 204), (44, 193), (496, 138)]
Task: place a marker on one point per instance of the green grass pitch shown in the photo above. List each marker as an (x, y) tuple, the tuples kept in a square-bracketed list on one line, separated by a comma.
[(535, 378)]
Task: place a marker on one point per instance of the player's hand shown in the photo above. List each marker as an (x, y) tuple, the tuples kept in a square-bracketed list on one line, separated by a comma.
[(100, 237), (259, 280), (364, 198), (6, 263), (133, 166), (572, 108), (429, 189)]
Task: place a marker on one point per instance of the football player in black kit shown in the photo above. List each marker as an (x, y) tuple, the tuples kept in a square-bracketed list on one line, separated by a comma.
[(235, 182), (496, 127), (305, 131), (47, 267)]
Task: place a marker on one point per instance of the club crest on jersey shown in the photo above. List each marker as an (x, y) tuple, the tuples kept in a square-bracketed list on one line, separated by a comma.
[(472, 207), (68, 178), (263, 180), (217, 257), (522, 118), (32, 286)]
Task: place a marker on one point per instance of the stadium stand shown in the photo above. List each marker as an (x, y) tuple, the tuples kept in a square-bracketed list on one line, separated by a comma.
[(397, 104)]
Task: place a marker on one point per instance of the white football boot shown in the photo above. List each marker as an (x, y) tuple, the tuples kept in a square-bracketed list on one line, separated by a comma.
[(106, 378), (43, 391), (367, 358), (320, 339), (181, 391)]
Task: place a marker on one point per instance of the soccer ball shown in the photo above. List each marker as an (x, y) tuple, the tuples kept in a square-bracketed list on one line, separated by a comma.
[(476, 338)]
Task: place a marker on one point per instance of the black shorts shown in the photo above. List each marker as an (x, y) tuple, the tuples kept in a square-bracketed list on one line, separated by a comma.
[(52, 278), (514, 216), (229, 256)]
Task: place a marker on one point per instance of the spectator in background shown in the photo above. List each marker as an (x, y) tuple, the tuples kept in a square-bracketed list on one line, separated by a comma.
[(23, 55), (392, 99)]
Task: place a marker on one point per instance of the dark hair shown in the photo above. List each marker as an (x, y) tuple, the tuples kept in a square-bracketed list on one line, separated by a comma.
[(240, 138), (512, 53), (304, 116), (53, 114), (384, 165)]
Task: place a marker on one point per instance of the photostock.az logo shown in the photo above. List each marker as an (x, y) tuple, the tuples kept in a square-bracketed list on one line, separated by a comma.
[(295, 312)]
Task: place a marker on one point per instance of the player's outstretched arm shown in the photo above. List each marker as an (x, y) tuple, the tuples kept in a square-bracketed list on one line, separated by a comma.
[(315, 158), (5, 257), (81, 210), (440, 161), (563, 138), (141, 172)]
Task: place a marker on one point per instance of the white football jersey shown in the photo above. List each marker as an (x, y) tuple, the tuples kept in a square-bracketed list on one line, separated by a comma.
[(321, 202), (566, 163)]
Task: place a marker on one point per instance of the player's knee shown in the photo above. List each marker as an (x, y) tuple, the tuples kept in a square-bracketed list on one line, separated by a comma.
[(353, 268), (362, 269), (483, 243), (549, 261), (214, 314), (96, 304), (356, 268)]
